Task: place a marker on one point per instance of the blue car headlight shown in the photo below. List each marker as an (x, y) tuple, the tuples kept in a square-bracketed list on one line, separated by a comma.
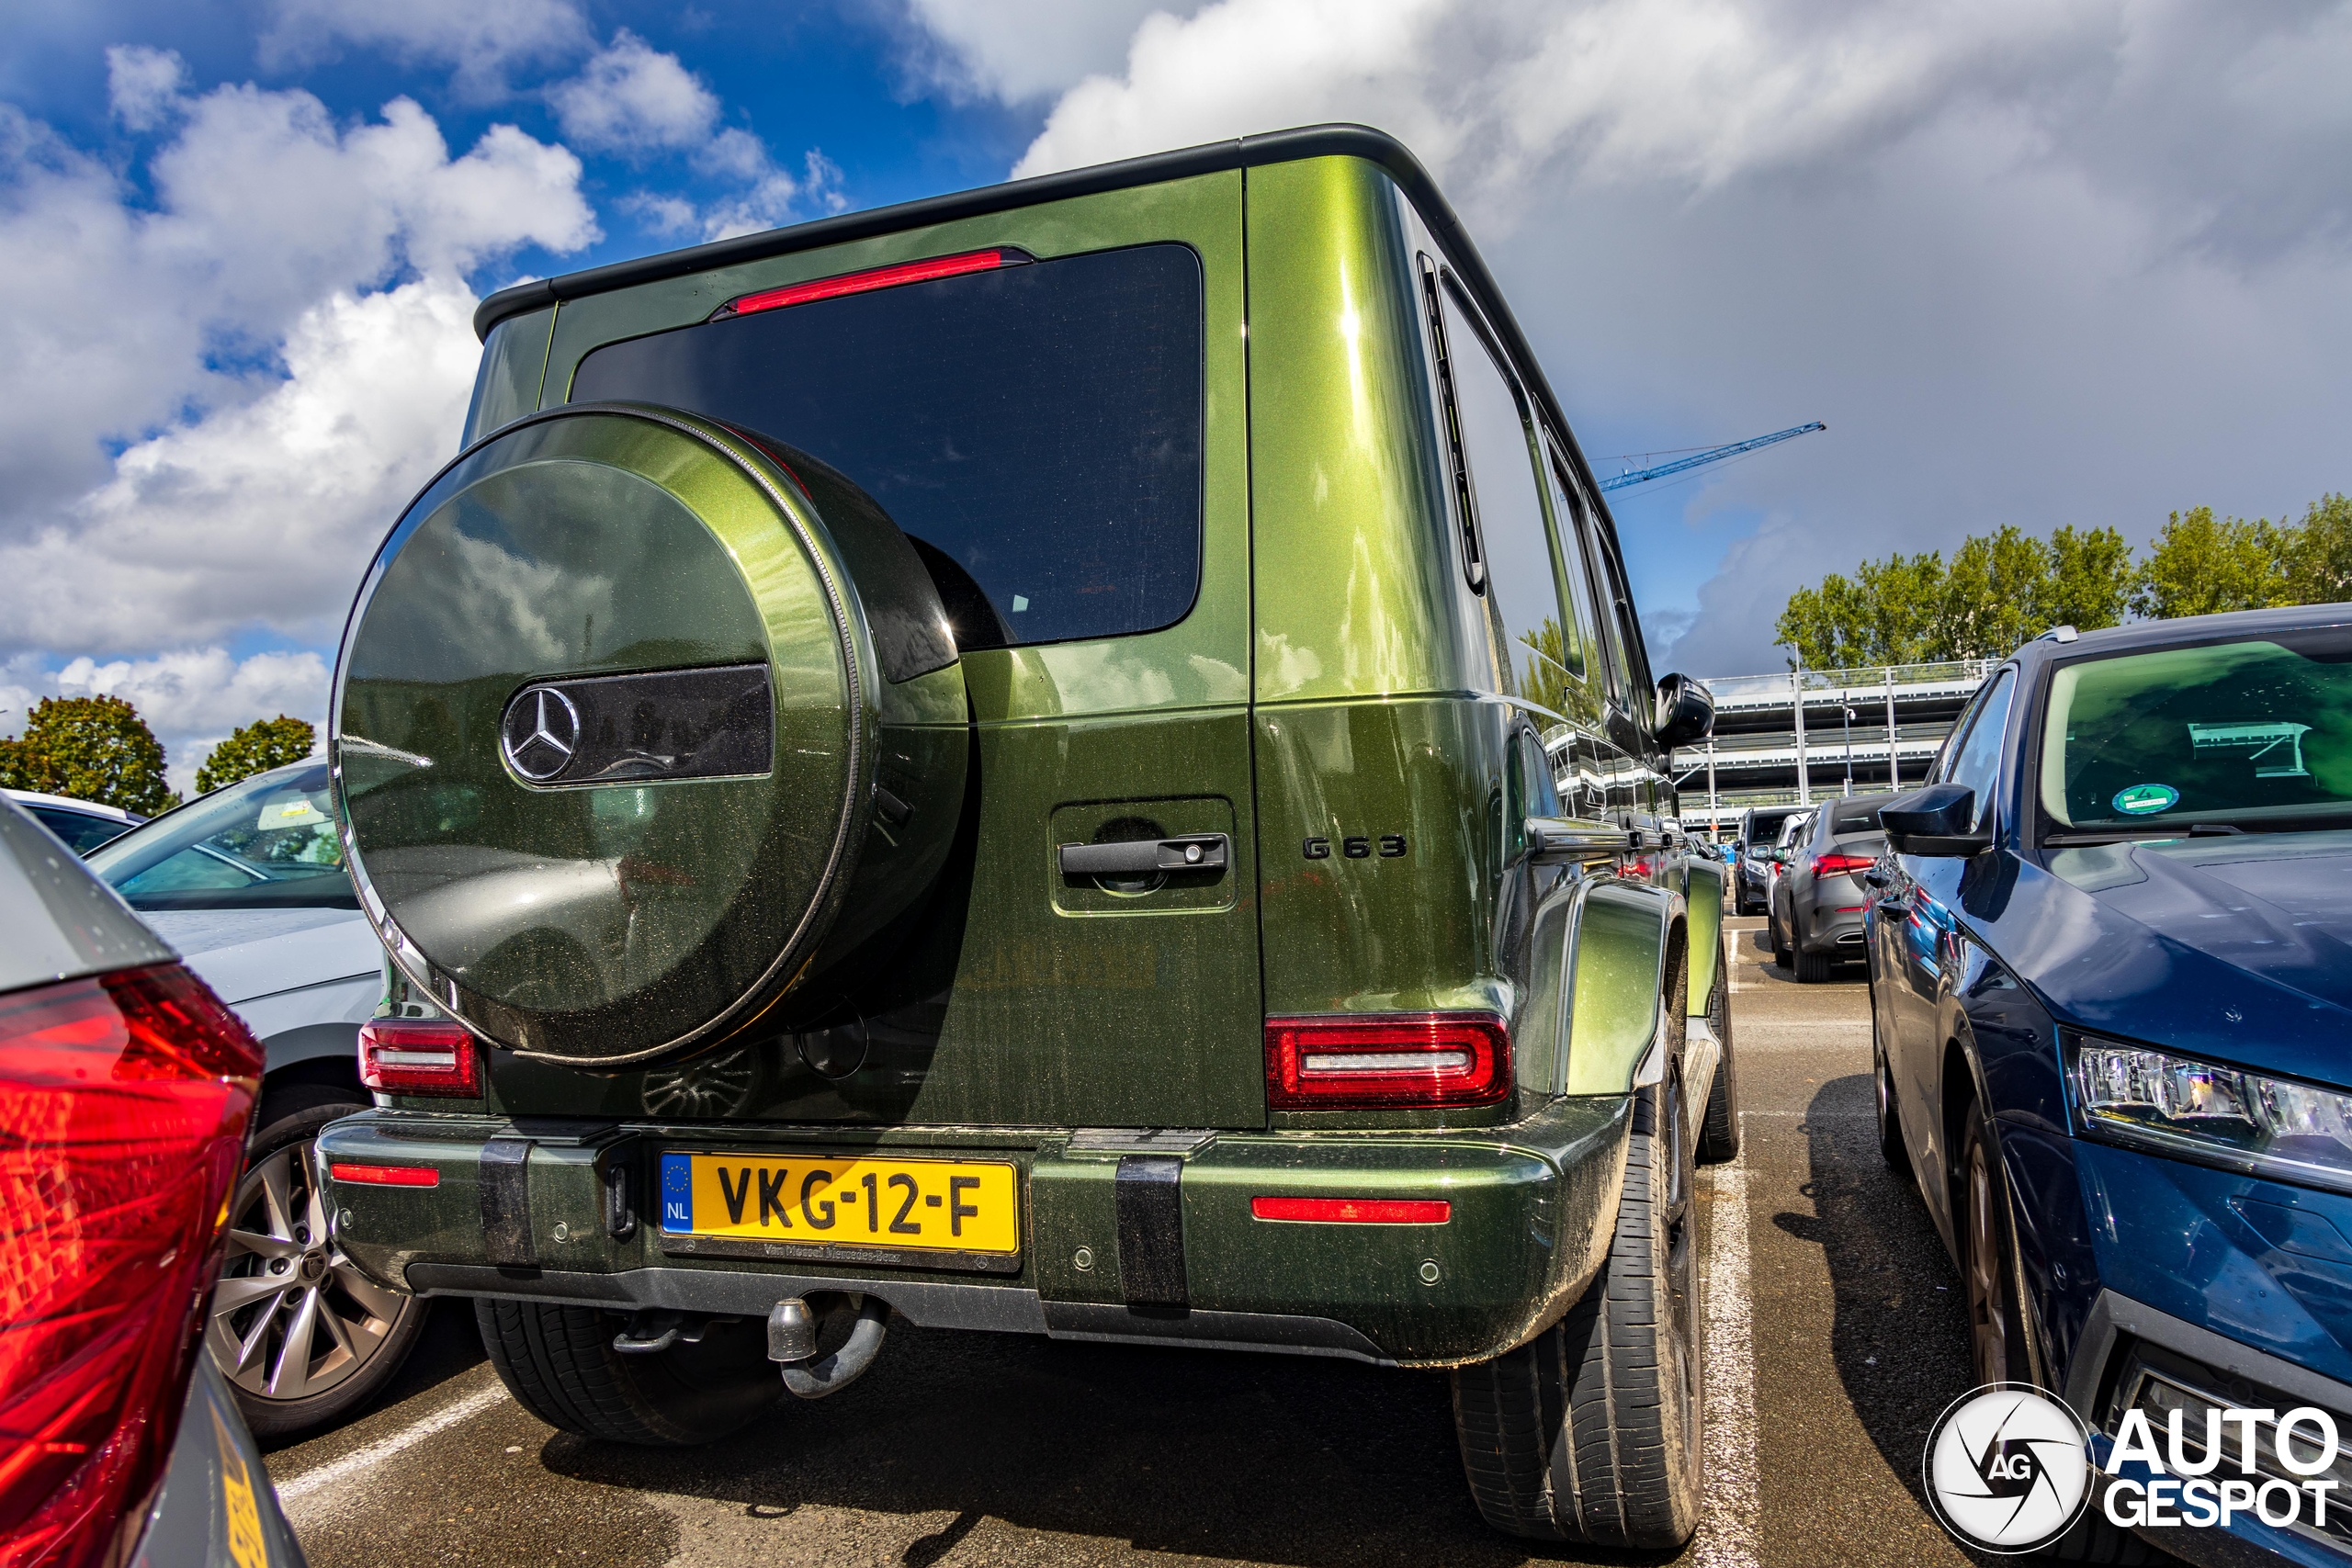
[(2216, 1115)]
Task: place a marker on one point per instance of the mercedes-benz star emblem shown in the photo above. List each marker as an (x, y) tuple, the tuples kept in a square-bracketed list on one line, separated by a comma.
[(540, 733)]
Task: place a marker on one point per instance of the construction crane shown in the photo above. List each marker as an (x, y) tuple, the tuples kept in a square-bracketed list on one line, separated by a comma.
[(1712, 455)]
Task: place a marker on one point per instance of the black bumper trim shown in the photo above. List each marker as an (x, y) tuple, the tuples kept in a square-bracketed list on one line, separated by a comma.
[(1006, 1309), (1000, 1309), (1147, 1197), (505, 1186), (1278, 1333), (2113, 1317)]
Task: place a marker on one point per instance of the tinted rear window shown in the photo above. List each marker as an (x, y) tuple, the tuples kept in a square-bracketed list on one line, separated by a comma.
[(1039, 425)]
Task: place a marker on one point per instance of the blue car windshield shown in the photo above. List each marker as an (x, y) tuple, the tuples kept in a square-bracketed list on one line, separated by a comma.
[(267, 843), (2255, 733)]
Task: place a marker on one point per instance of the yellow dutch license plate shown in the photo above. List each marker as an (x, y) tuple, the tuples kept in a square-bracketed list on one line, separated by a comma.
[(920, 1205)]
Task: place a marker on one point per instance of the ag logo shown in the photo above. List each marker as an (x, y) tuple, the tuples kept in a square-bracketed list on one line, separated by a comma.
[(540, 733), (2007, 1469)]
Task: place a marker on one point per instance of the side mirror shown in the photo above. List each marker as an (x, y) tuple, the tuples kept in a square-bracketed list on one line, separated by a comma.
[(1936, 821), (1686, 712)]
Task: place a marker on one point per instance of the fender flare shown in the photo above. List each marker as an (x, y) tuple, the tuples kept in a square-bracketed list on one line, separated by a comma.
[(1704, 892), (1617, 953)]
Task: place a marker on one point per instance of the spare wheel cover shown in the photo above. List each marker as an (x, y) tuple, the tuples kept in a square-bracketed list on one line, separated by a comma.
[(604, 735)]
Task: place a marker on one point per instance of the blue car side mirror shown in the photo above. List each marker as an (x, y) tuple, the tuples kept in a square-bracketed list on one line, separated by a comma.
[(1936, 821)]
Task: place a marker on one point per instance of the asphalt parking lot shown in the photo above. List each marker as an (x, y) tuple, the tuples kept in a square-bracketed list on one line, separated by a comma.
[(1836, 1336)]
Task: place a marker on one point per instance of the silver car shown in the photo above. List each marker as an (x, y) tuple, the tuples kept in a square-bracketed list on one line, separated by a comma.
[(248, 884), (83, 824), (130, 1075), (1817, 899)]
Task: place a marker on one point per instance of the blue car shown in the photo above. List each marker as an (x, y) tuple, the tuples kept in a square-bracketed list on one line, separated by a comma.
[(2110, 958)]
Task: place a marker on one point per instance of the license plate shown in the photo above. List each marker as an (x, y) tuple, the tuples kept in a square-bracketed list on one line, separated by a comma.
[(829, 1202)]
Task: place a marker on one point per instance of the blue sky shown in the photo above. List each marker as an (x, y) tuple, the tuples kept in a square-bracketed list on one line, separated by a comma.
[(2065, 261)]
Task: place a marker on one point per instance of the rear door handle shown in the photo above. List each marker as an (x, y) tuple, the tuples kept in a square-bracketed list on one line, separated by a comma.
[(1142, 857)]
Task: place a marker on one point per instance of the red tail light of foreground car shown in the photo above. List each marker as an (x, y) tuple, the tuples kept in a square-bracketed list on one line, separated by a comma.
[(123, 1103)]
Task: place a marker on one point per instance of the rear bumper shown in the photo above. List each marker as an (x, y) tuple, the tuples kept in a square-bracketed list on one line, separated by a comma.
[(1834, 929), (1124, 1237)]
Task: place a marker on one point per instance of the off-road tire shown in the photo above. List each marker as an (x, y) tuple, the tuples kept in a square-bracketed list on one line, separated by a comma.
[(1719, 1132), (559, 1364), (1590, 1434)]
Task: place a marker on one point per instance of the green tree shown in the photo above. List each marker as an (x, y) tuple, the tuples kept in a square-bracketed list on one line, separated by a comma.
[(2202, 565), (264, 744), (91, 748), (2319, 554), (1993, 594), (2089, 580)]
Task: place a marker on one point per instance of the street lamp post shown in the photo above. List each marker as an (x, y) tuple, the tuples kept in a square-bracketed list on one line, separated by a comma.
[(1850, 750)]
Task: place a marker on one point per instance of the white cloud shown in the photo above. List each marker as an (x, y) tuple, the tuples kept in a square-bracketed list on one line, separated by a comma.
[(142, 83), (2034, 261), (481, 38), (127, 322), (634, 98), (264, 513), (770, 196), (1017, 51), (190, 697)]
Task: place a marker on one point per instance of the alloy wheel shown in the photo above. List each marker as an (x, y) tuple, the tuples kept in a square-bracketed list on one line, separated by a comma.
[(292, 1317), (1988, 1318)]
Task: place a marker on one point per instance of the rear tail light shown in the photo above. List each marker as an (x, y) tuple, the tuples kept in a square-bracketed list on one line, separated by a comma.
[(1841, 865), (417, 1055), (1386, 1061), (123, 1103), (873, 279)]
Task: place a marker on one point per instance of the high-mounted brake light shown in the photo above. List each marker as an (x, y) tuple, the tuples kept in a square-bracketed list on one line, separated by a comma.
[(417, 1055), (1354, 1211), (123, 1103), (1386, 1061), (1841, 865), (385, 1175), (867, 282)]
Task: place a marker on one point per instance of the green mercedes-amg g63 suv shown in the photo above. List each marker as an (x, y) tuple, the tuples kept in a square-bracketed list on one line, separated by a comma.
[(1072, 759)]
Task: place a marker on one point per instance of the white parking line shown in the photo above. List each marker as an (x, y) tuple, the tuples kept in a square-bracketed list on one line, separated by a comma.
[(311, 1483), (1727, 1511)]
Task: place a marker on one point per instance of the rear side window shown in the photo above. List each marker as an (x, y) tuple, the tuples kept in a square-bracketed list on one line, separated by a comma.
[(1496, 481), (1036, 428)]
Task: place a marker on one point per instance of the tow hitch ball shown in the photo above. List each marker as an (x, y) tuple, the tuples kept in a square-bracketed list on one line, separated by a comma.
[(792, 1343)]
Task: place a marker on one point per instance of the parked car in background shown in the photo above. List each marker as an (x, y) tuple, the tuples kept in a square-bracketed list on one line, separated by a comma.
[(248, 883), (1000, 807), (1817, 899), (125, 1088), (2111, 1006), (1759, 828), (83, 824)]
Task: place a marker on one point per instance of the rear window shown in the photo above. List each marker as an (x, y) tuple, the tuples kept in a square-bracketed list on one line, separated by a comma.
[(1035, 428), (1856, 816)]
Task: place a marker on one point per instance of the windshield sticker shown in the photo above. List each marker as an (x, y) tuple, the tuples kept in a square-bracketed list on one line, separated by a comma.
[(2142, 800)]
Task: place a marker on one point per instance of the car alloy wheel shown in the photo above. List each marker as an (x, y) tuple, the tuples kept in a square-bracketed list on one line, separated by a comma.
[(292, 1317), (1988, 1305)]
